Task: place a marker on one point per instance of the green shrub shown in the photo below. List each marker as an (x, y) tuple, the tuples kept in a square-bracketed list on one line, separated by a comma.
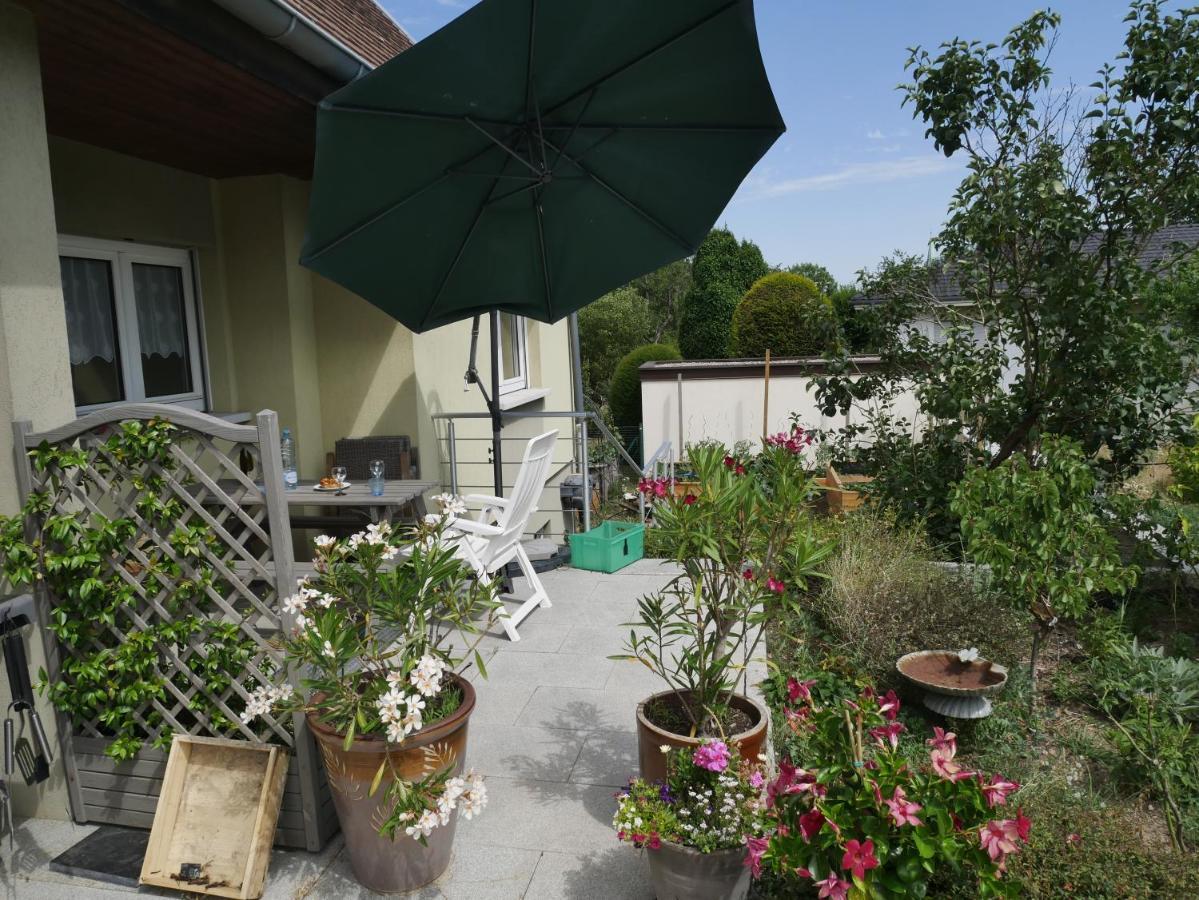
[(1184, 464), (624, 393), (722, 271), (785, 314), (884, 597)]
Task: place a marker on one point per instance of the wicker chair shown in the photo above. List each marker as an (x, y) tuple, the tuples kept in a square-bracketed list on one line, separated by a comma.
[(356, 454)]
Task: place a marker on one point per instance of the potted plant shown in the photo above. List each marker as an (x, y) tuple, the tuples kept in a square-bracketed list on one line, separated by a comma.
[(380, 684), (695, 823), (857, 819), (742, 543)]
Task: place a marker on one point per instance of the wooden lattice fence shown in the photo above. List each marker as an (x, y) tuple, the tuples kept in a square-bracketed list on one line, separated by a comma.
[(228, 480)]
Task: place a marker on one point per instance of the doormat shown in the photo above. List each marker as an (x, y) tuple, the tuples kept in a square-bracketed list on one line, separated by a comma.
[(110, 854)]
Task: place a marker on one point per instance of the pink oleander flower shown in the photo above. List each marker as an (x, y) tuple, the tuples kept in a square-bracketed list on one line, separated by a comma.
[(800, 689), (996, 792), (810, 824), (689, 499), (888, 734), (774, 585), (729, 462), (889, 705), (740, 469), (832, 888), (654, 842), (748, 574), (943, 740), (859, 858), (714, 756), (903, 811), (755, 849)]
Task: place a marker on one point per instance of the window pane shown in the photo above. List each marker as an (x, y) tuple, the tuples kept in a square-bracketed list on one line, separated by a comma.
[(511, 361), (91, 330), (162, 329)]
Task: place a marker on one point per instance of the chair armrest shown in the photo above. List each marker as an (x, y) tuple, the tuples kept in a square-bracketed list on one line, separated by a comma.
[(470, 526), (484, 500)]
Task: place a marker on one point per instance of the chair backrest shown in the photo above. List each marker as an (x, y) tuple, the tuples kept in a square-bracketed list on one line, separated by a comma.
[(522, 503)]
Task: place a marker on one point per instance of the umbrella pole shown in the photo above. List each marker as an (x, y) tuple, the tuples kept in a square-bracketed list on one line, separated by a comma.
[(497, 424)]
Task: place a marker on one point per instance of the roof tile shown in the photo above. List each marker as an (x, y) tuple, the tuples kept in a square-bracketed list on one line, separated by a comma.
[(361, 25)]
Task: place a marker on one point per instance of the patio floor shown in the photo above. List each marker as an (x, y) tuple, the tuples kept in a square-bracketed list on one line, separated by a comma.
[(553, 732)]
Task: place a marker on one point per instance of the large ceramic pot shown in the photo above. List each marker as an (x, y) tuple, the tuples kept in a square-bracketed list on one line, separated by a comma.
[(680, 873), (382, 864), (651, 737)]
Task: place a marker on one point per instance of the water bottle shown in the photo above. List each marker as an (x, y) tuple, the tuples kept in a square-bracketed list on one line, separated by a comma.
[(287, 447), (376, 479)]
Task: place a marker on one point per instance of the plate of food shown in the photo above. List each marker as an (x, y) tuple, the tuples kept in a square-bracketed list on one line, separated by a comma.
[(331, 484)]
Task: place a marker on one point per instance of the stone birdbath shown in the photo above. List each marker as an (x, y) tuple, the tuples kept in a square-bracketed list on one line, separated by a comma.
[(956, 683)]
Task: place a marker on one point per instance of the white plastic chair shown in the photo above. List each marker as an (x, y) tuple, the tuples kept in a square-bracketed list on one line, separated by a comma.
[(492, 539)]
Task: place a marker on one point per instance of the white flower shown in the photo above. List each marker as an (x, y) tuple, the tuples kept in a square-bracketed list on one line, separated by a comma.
[(389, 704), (665, 748), (967, 656), (296, 604), (426, 677), (424, 825), (324, 542), (328, 650), (474, 798), (390, 551), (302, 624), (325, 600), (451, 504), (396, 732), (395, 678)]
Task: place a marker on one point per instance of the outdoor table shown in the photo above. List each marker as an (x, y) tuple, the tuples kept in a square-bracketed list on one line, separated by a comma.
[(396, 495)]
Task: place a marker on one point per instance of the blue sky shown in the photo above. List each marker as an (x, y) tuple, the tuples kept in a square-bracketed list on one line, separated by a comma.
[(853, 179)]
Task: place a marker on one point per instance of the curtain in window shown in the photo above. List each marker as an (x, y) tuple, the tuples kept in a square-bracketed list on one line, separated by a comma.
[(91, 324), (161, 320)]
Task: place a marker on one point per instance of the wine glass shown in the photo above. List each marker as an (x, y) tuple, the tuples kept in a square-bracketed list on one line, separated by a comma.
[(376, 468), (339, 474)]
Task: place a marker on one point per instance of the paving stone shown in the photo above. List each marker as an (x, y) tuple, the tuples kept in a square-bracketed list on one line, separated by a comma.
[(608, 758), (579, 709), (548, 669), (530, 814), (613, 873), (538, 634), (519, 751), (593, 640)]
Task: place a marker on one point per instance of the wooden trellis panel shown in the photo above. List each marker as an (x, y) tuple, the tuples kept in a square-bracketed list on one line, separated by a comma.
[(252, 566)]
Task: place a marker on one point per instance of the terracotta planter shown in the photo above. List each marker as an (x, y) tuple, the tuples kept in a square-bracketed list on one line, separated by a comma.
[(651, 737), (680, 873), (381, 864)]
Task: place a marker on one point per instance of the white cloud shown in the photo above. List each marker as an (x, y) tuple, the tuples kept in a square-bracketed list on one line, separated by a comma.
[(854, 174), (875, 135)]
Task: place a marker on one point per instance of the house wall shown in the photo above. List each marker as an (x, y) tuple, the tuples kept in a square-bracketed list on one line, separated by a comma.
[(730, 409)]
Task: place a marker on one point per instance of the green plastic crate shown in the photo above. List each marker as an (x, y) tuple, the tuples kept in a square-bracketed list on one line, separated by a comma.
[(611, 546)]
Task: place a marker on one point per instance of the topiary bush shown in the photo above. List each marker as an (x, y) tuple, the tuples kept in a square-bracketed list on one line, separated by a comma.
[(722, 271), (624, 393), (785, 314)]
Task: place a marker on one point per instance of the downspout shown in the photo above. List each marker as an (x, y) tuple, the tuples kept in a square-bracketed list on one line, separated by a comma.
[(295, 32)]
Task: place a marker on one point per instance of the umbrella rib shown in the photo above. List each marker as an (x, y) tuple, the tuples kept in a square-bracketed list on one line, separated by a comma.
[(371, 220), (457, 256), (717, 129), (491, 137), (456, 118), (695, 26), (574, 128), (545, 260), (641, 211)]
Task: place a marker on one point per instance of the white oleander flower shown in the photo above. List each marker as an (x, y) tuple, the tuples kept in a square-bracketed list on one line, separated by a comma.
[(665, 748), (324, 542), (328, 649), (325, 600), (295, 604)]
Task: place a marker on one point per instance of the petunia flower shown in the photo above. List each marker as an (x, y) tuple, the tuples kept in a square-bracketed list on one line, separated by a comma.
[(903, 811), (755, 849), (859, 857), (713, 756), (996, 792)]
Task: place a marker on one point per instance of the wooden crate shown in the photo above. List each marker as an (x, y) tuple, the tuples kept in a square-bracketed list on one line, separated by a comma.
[(126, 793), (215, 818), (839, 495)]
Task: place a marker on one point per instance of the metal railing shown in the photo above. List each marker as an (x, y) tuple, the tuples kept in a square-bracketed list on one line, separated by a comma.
[(462, 451)]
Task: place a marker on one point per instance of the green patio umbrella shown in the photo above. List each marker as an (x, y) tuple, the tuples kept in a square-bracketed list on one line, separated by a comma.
[(530, 156)]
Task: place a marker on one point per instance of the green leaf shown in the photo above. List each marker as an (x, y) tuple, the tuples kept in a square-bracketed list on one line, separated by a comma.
[(378, 779)]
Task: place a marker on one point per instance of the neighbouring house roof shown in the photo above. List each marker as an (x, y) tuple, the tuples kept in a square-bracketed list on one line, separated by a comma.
[(1161, 246), (361, 25)]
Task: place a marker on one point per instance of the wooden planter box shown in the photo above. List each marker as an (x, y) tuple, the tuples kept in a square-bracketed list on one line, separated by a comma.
[(126, 793), (839, 495)]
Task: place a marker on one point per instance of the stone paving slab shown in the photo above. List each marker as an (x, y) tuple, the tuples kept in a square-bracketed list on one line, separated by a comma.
[(553, 732)]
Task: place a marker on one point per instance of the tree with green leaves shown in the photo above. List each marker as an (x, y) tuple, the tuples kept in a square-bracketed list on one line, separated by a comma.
[(820, 276), (1036, 527), (786, 314), (1059, 329), (664, 290), (608, 329), (722, 271), (624, 394)]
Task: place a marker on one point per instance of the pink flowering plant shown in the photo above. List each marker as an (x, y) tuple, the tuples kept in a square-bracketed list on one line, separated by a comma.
[(375, 637), (859, 819), (711, 800), (744, 543)]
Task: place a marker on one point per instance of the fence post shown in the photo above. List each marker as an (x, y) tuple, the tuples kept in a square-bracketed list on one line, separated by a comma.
[(451, 434)]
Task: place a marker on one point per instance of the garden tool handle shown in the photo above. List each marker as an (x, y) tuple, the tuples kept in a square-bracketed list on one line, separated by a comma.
[(8, 747), (39, 735), (19, 686)]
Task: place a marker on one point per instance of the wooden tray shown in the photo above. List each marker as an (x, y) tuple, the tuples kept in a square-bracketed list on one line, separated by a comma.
[(216, 817)]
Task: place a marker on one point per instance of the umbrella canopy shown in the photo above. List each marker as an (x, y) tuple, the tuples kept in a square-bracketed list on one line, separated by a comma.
[(531, 156)]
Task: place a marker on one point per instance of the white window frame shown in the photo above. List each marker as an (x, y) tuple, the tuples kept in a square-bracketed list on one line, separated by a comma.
[(521, 381), (121, 256)]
